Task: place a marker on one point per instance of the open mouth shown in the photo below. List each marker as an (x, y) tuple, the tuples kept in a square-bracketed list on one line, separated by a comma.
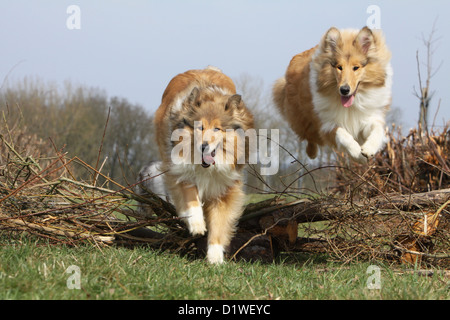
[(208, 159), (347, 101)]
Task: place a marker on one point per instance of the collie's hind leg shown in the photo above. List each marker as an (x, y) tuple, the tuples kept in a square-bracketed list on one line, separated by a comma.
[(221, 217), (188, 207), (311, 150)]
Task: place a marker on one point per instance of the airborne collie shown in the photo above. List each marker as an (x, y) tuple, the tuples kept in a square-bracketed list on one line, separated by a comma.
[(338, 92), (201, 107)]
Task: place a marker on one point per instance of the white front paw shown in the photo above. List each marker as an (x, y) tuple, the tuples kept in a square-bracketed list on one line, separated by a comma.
[(369, 150), (354, 150), (194, 220), (215, 254), (346, 142), (196, 226)]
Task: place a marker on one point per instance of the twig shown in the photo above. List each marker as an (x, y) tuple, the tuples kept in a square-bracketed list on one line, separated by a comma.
[(100, 149)]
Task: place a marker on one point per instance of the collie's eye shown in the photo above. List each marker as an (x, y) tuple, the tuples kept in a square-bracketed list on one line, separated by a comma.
[(339, 68), (355, 68), (216, 129)]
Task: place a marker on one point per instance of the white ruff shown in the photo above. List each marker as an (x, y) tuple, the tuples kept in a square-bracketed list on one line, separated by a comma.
[(211, 182), (367, 109)]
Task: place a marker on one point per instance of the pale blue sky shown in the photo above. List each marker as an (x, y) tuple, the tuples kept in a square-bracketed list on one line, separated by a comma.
[(132, 49)]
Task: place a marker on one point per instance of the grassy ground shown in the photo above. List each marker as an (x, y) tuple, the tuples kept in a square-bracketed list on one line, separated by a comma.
[(31, 270)]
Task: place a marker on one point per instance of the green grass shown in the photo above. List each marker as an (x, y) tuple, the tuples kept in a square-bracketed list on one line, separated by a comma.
[(32, 270)]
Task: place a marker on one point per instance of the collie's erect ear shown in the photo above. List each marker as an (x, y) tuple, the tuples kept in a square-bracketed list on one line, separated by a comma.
[(234, 102), (365, 40), (192, 99), (332, 39)]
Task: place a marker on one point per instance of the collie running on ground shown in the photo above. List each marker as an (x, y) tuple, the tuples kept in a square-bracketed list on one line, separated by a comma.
[(197, 130), (338, 93)]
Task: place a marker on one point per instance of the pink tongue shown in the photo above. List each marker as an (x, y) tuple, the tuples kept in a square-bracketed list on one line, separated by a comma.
[(347, 101), (208, 159)]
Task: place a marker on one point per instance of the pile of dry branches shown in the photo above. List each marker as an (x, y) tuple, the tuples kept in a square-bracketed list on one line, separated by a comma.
[(416, 169), (415, 163), (41, 196)]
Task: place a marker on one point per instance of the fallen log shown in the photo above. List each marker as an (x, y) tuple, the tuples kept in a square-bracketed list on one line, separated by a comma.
[(411, 201), (271, 226)]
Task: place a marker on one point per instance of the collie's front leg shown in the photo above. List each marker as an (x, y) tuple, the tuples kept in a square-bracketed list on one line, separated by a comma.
[(345, 141), (221, 217), (189, 207), (375, 140)]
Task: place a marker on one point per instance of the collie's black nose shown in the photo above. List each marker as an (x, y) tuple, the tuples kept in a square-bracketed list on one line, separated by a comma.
[(204, 146), (344, 90)]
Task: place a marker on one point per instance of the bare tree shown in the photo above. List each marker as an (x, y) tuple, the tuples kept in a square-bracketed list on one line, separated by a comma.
[(74, 118), (130, 140), (425, 94)]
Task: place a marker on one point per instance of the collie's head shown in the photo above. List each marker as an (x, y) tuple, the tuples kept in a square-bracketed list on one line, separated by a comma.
[(212, 123), (350, 61)]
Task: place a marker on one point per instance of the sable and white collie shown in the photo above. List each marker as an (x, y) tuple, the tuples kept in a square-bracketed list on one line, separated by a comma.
[(338, 92), (197, 134)]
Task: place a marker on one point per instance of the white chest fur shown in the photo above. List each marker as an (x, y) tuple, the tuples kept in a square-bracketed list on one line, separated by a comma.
[(211, 182)]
